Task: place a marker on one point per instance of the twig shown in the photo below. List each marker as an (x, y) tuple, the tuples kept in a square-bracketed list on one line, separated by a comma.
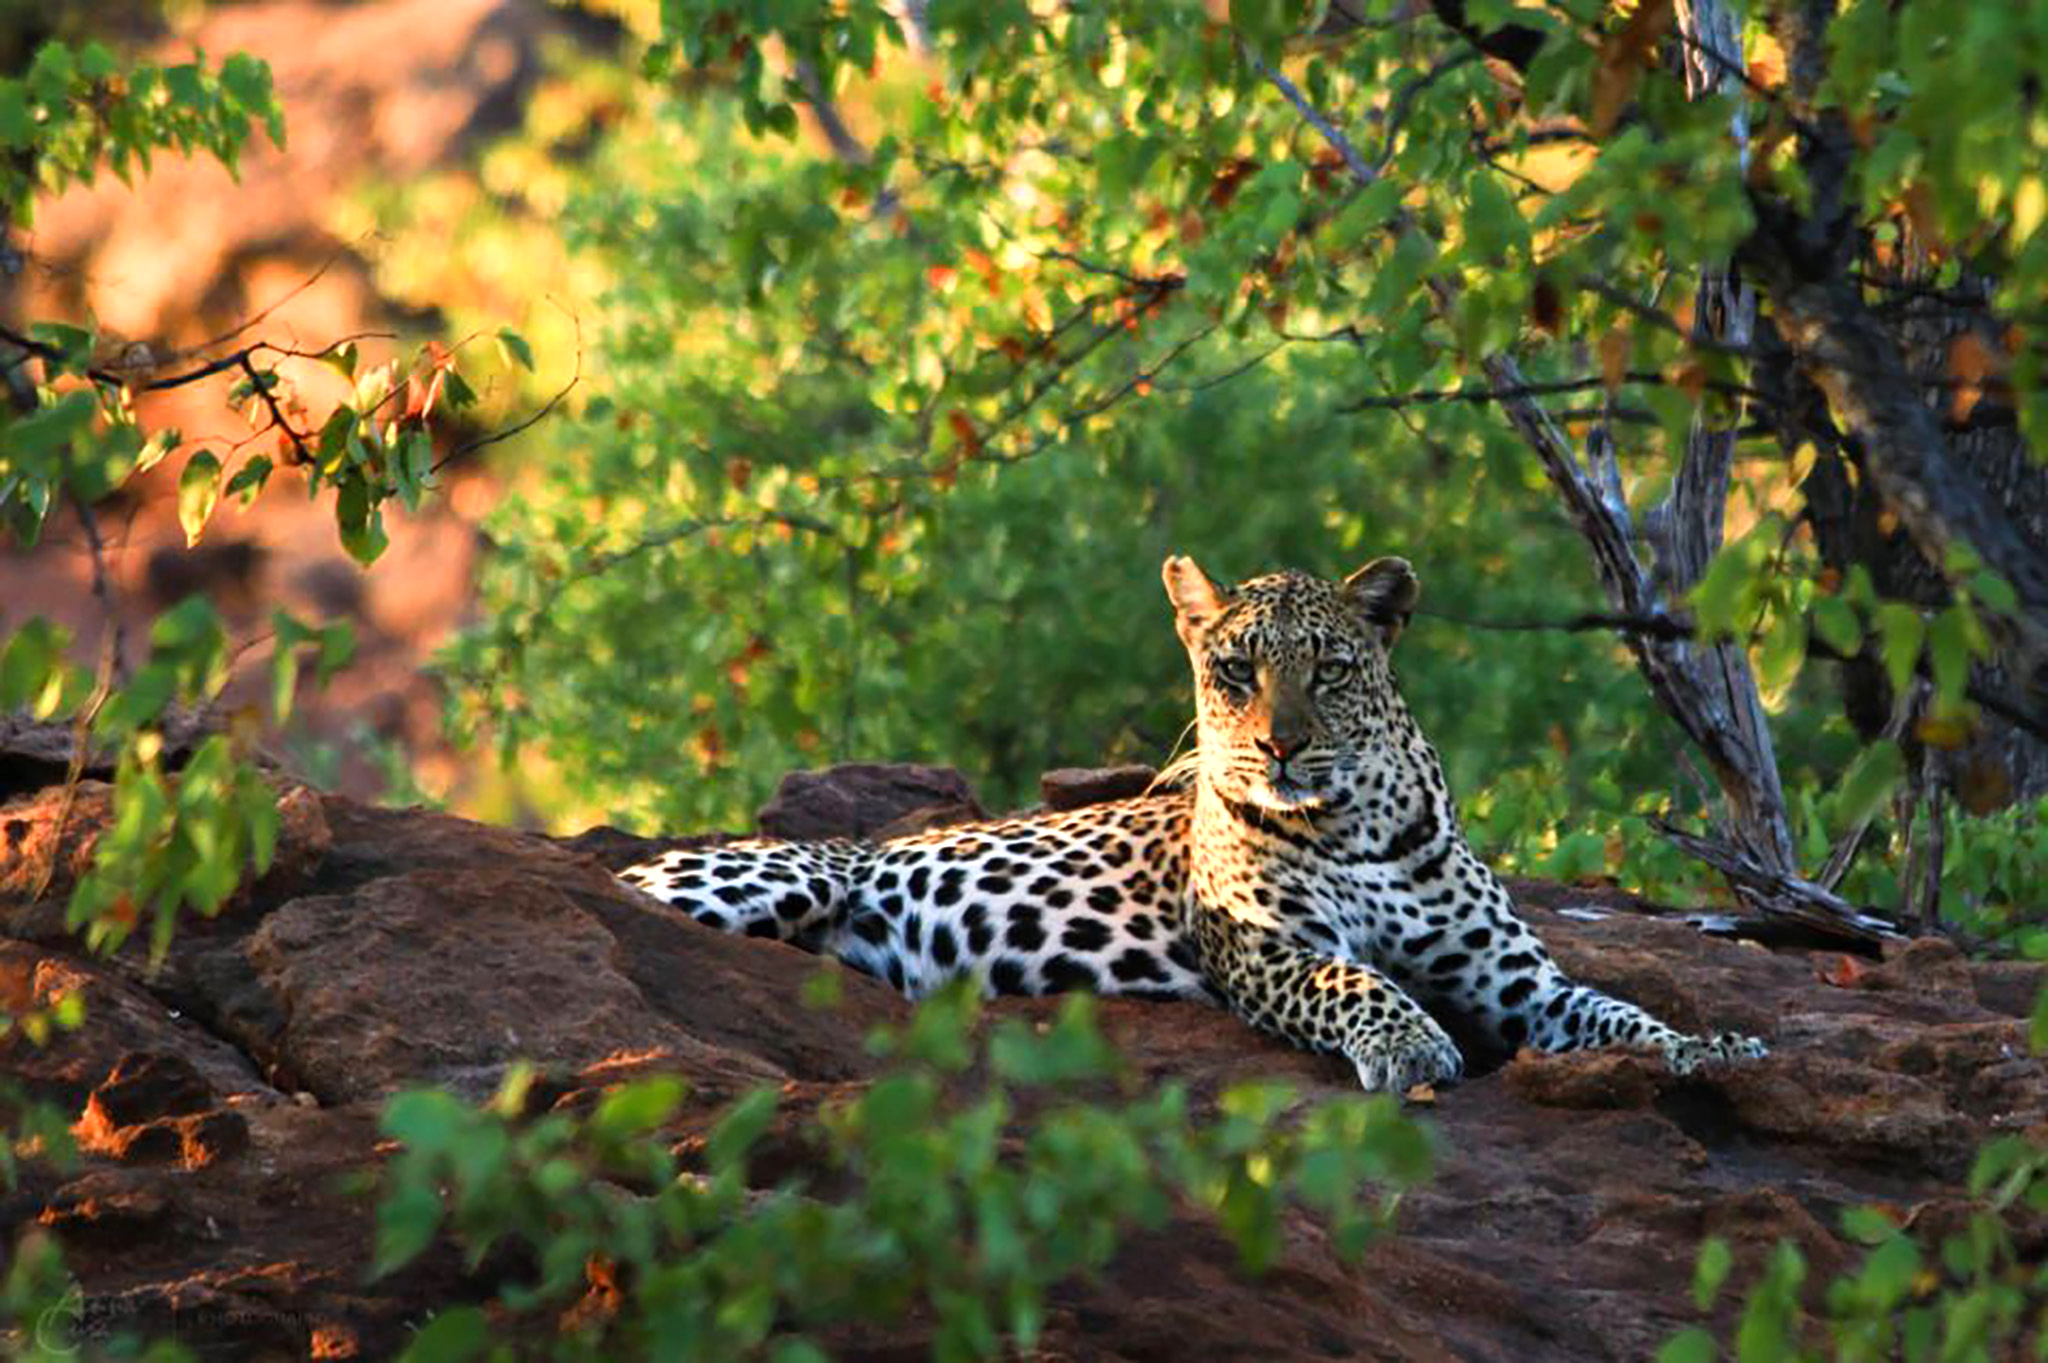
[(277, 416), (1844, 853), (1156, 283), (534, 419), (102, 587), (1783, 893), (257, 318), (1363, 172), (1650, 626), (1486, 393), (1404, 100)]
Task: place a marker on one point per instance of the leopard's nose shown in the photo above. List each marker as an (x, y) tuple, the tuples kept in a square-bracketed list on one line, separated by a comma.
[(1278, 748)]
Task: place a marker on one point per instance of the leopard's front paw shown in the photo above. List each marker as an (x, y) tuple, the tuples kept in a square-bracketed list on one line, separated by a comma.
[(1687, 1054), (1405, 1053)]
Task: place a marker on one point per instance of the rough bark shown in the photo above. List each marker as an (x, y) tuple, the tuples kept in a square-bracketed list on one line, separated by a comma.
[(1708, 689), (1857, 362)]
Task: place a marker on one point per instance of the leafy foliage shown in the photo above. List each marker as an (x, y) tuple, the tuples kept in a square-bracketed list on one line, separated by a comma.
[(183, 840), (955, 332), (78, 110), (968, 1199), (818, 594)]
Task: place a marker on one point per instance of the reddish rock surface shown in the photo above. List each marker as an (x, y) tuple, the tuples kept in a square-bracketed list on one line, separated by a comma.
[(222, 1101), (1073, 787), (858, 800)]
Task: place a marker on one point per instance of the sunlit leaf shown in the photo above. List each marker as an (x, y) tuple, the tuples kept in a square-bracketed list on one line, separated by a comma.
[(198, 492)]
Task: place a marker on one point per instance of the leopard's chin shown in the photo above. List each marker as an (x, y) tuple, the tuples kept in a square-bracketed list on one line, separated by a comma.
[(1283, 796)]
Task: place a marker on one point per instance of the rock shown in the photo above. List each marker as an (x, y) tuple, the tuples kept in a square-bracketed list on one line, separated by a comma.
[(145, 1085), (189, 1142), (1570, 1197), (2008, 987), (35, 754), (615, 849), (1610, 1080), (927, 817), (497, 967), (113, 1208), (1073, 787), (122, 1019), (47, 840), (856, 800)]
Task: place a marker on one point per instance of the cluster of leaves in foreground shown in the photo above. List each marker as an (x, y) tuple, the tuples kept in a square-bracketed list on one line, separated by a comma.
[(936, 1192), (177, 839), (78, 111), (1978, 1296)]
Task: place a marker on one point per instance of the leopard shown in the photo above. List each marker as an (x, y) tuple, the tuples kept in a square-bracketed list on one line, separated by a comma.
[(1304, 866)]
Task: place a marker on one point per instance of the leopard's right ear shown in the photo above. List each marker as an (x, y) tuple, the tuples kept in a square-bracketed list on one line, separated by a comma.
[(1197, 601)]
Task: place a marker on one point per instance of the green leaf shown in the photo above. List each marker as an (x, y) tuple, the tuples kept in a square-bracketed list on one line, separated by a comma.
[(455, 1335), (249, 479), (17, 121), (337, 646), (1834, 620), (1870, 781), (1900, 632), (96, 62), (1868, 1225), (425, 1119), (1781, 656), (32, 668), (341, 359), (1723, 599), (640, 1106), (1948, 653), (198, 492), (738, 1130), (247, 78), (407, 1220), (1690, 1345), (1994, 591), (359, 520), (287, 634), (74, 345), (1711, 1271), (50, 75), (53, 428), (160, 443), (1493, 225), (515, 348)]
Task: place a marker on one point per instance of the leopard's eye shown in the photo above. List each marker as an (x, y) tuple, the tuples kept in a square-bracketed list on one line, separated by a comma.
[(1236, 671), (1332, 671)]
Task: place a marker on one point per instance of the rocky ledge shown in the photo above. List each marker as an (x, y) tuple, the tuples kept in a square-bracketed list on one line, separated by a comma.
[(221, 1101)]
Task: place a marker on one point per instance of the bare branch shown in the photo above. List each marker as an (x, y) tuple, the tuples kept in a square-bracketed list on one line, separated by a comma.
[(1487, 393), (534, 419), (1792, 896)]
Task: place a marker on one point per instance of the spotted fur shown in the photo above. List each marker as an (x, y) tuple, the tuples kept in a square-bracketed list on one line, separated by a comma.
[(1311, 875)]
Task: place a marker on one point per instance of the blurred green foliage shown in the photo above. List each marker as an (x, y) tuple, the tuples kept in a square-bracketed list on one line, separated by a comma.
[(967, 1180), (879, 448)]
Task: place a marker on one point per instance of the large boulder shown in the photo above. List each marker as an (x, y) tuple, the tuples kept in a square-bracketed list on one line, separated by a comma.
[(224, 1100)]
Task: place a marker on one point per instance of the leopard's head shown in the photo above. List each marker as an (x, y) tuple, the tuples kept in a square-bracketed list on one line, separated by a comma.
[(1294, 695)]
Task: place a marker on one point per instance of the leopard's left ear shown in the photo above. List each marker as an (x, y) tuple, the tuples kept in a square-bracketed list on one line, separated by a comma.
[(1384, 591), (1197, 600)]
